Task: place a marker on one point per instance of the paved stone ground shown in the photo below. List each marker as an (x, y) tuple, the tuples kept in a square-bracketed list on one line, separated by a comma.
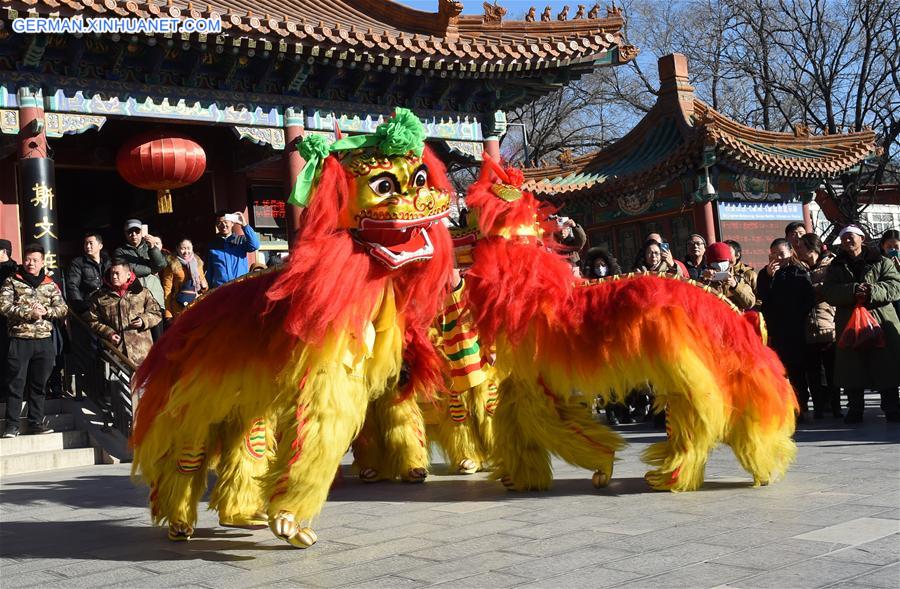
[(833, 522)]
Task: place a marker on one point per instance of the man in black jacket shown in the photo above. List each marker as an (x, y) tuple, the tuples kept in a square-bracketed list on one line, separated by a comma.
[(787, 297), (85, 275)]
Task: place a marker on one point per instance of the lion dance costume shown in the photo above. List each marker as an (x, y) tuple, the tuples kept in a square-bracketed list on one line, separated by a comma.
[(305, 349), (711, 372)]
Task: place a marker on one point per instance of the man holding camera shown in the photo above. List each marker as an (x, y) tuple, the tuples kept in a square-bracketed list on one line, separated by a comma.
[(227, 258)]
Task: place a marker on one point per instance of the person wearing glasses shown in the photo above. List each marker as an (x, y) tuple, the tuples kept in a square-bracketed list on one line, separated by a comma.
[(143, 253)]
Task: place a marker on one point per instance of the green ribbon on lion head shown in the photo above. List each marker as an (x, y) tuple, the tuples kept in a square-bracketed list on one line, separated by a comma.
[(399, 135)]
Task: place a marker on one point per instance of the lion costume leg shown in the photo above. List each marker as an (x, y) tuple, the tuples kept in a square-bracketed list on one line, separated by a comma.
[(572, 433), (244, 459), (392, 441), (368, 449), (403, 438), (458, 431), (764, 452), (484, 400), (521, 462), (177, 486), (695, 422), (315, 434)]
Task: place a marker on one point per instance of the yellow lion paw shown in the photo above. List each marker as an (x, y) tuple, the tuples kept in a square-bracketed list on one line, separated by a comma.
[(416, 475), (368, 475), (603, 475), (180, 532), (600, 479), (285, 527), (467, 466)]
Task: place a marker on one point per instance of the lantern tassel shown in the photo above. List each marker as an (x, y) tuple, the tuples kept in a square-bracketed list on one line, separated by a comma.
[(163, 201)]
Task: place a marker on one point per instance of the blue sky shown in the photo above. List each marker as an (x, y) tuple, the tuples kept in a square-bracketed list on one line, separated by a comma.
[(515, 8)]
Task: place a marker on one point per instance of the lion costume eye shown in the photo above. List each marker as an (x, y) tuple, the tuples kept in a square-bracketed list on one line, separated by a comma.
[(421, 177), (384, 184)]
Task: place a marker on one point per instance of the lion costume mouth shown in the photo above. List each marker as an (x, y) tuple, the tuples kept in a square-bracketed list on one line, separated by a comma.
[(397, 242)]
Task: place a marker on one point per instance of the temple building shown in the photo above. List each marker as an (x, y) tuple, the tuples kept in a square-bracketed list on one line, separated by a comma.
[(686, 168), (207, 120)]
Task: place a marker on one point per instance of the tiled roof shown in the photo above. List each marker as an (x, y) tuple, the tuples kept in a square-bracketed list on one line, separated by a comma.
[(671, 140), (384, 32)]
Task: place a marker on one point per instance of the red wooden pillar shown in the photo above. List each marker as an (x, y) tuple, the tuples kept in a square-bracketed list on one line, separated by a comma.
[(492, 129), (704, 221), (807, 218), (293, 164), (9, 207)]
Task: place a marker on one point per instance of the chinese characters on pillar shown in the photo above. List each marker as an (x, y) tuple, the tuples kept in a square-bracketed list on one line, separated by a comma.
[(42, 198), (37, 200)]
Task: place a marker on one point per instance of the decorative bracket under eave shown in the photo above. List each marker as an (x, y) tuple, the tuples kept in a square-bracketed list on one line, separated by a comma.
[(270, 136), (56, 124)]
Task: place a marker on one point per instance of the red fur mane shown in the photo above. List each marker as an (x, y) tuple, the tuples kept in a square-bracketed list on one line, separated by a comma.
[(506, 288)]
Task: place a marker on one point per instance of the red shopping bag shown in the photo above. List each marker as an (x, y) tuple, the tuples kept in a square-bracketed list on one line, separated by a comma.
[(862, 331)]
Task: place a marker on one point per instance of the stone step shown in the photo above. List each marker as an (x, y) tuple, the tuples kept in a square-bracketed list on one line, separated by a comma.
[(61, 422), (51, 406), (26, 444), (49, 460)]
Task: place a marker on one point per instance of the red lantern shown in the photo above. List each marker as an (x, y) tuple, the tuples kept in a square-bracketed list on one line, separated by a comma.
[(161, 162)]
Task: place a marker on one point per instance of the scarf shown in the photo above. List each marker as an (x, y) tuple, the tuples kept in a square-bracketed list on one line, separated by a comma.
[(119, 290), (30, 279), (191, 263)]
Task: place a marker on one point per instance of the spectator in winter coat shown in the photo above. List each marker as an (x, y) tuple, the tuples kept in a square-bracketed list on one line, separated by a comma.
[(570, 239), (30, 301), (721, 278), (696, 248), (654, 259), (665, 252), (599, 263), (819, 359), (740, 268), (85, 275), (861, 276), (793, 232), (143, 252), (787, 298), (183, 279), (890, 249), (227, 257), (123, 312)]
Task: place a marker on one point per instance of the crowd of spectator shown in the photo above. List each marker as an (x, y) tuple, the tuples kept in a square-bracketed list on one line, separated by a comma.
[(126, 299), (806, 294)]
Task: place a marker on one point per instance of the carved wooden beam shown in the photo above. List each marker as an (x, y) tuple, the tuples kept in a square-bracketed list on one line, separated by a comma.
[(297, 77)]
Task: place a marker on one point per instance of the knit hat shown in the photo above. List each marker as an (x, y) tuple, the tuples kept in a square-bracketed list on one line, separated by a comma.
[(718, 252)]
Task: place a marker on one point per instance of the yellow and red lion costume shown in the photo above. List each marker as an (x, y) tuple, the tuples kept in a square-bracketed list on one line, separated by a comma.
[(304, 349), (711, 372)]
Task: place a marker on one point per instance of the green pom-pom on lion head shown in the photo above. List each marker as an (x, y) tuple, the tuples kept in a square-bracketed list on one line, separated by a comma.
[(314, 146), (400, 134)]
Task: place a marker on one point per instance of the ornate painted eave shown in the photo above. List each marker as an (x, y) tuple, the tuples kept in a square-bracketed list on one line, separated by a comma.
[(380, 31), (681, 135)]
